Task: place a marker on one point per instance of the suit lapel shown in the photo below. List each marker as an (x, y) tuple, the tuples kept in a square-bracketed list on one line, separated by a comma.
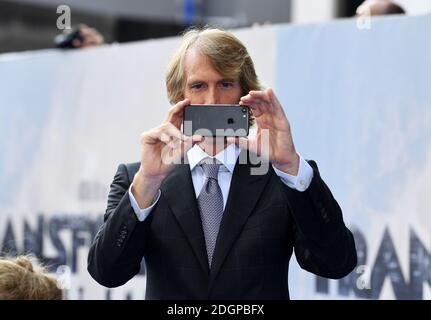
[(179, 191), (244, 192)]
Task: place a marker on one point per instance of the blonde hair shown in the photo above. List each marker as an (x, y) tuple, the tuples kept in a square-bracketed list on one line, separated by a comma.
[(226, 53), (21, 280)]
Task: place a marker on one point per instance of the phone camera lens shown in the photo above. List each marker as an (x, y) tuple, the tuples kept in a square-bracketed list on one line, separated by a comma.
[(244, 110)]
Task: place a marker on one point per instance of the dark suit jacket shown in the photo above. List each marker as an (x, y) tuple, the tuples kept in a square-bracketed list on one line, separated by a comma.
[(264, 220)]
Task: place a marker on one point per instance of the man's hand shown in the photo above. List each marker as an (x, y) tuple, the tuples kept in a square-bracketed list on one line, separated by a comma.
[(161, 149), (271, 121)]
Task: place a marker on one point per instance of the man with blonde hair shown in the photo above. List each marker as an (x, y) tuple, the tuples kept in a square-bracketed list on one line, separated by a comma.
[(208, 228)]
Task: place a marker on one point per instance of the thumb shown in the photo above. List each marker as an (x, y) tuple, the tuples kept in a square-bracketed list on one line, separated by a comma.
[(189, 142), (241, 142)]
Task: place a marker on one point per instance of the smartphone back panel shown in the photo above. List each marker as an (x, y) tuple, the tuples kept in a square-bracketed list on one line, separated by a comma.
[(221, 120)]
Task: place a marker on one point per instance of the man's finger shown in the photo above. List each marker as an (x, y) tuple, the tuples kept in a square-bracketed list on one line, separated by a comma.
[(272, 97), (258, 109), (253, 100), (189, 143), (175, 113), (257, 104), (172, 133), (262, 95), (196, 139)]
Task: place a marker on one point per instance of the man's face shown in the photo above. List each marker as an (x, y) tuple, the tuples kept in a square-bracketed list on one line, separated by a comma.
[(204, 85)]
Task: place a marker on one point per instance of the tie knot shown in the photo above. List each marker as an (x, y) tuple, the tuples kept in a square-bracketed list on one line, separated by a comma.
[(210, 168)]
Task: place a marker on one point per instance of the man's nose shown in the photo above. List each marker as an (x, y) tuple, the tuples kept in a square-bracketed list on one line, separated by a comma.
[(212, 96)]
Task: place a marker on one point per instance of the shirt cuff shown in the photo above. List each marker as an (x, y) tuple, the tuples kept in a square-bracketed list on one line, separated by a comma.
[(142, 214), (302, 180)]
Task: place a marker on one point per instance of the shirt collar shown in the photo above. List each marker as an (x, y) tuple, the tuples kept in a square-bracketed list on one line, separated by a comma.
[(227, 156)]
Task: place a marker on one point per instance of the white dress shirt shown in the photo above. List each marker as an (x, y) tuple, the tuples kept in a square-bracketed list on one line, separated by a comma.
[(228, 157)]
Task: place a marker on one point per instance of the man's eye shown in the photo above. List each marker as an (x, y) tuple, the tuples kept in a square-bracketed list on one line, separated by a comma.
[(227, 84), (196, 86)]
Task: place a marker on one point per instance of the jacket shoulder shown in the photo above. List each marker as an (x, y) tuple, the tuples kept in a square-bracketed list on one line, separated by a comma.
[(129, 169)]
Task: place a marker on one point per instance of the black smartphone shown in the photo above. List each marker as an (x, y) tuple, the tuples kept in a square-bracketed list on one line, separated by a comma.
[(216, 120)]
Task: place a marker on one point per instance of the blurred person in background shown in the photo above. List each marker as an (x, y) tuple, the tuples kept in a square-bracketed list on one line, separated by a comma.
[(21, 279), (378, 7), (81, 36)]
